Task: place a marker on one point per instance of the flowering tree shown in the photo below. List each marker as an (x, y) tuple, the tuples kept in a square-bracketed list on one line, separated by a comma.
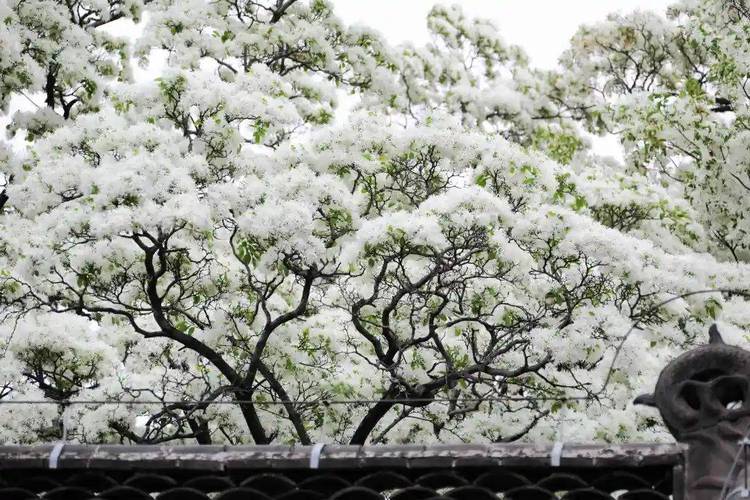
[(675, 91), (222, 255)]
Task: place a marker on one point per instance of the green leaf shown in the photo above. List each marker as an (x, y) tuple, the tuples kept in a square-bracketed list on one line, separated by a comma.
[(482, 179), (713, 308), (693, 88), (259, 131), (579, 203)]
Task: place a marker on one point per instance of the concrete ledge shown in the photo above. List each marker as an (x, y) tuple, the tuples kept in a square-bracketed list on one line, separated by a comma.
[(218, 458)]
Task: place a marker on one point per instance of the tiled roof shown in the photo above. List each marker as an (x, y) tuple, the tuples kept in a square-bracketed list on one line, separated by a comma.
[(341, 472)]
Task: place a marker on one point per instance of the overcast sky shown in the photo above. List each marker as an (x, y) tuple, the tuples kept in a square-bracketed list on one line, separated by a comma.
[(542, 27)]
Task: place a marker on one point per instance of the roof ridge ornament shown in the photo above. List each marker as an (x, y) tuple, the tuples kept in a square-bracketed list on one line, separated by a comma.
[(703, 396), (714, 337)]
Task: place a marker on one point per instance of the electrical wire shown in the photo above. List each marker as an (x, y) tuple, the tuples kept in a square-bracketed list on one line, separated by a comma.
[(324, 402)]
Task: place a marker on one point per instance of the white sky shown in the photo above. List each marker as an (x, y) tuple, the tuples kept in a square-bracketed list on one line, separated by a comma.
[(541, 27)]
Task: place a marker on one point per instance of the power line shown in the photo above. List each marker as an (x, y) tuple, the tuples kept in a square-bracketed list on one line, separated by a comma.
[(324, 402)]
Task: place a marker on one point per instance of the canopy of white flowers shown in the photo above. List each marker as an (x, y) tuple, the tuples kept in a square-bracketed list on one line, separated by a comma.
[(224, 255)]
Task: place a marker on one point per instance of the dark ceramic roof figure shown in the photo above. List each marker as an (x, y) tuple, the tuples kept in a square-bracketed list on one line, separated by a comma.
[(704, 398)]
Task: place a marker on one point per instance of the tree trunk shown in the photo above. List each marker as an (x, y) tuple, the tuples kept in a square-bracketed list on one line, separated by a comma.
[(373, 417)]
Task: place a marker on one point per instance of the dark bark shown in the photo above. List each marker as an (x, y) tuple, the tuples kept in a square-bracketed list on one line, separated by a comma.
[(49, 86), (200, 429), (294, 415), (722, 105), (241, 391), (273, 325), (374, 415), (281, 8)]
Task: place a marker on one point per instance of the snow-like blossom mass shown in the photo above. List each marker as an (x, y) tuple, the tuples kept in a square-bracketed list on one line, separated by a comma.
[(448, 261)]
